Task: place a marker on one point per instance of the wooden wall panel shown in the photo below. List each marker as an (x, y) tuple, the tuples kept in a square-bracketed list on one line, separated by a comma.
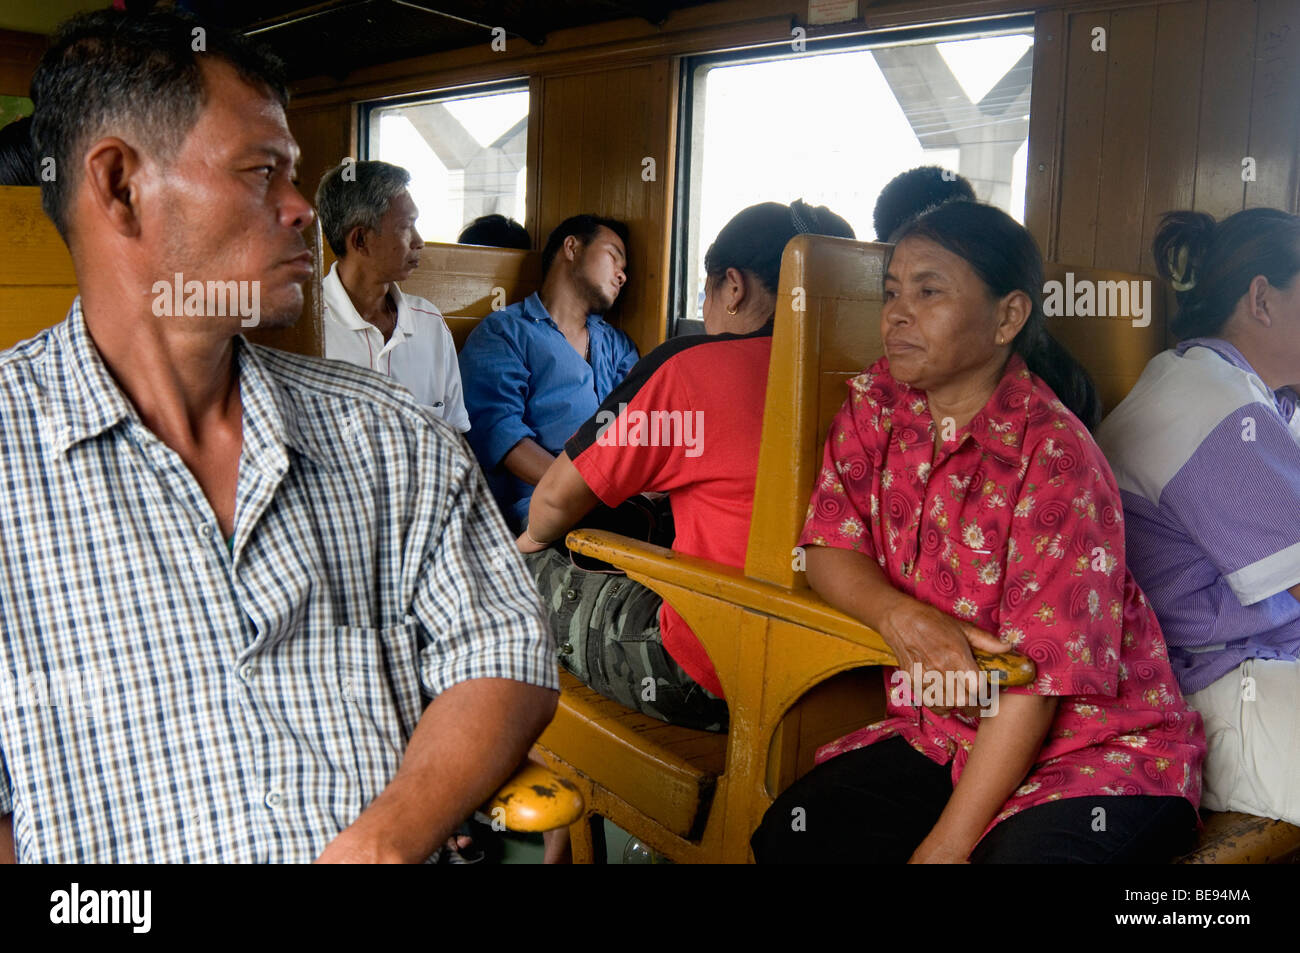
[(596, 130), (1042, 179), (19, 54), (1174, 118), (1080, 134), (1131, 43), (324, 134), (1226, 81), (1275, 106)]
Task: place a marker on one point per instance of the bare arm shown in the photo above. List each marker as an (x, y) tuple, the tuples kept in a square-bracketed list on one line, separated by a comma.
[(8, 853), (1006, 747), (560, 500), (468, 742), (528, 461)]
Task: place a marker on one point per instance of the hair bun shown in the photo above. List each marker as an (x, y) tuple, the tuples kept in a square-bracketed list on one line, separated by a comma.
[(1180, 245)]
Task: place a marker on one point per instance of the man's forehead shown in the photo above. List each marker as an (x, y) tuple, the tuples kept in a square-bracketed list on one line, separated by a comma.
[(245, 114)]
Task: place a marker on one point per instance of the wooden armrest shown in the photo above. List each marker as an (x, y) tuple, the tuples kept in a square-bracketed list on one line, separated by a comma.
[(800, 606), (535, 799)]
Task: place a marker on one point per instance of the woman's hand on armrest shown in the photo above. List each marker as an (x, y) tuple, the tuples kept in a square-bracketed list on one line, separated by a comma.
[(918, 633)]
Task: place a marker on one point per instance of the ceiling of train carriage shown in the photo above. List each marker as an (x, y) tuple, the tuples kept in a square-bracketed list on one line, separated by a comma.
[(338, 36)]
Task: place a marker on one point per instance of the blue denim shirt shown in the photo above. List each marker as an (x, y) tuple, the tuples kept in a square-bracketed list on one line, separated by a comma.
[(521, 378)]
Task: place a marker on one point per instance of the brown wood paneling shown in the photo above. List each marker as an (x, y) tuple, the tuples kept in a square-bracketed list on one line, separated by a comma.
[(324, 134), (19, 54), (1131, 42), (1226, 81), (596, 129), (1275, 106), (1084, 118), (1174, 118), (1047, 96)]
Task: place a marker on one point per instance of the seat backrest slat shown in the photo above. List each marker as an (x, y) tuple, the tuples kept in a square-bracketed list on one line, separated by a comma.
[(827, 330), (467, 282)]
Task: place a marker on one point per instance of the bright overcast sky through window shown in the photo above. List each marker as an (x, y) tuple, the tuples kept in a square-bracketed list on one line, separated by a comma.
[(828, 129)]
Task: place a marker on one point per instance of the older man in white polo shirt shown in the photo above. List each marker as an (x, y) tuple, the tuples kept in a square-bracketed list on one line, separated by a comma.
[(368, 219)]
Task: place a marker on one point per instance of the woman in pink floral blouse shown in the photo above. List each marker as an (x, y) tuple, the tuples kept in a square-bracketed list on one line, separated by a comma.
[(962, 504)]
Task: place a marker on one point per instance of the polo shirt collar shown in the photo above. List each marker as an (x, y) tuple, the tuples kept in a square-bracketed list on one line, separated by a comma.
[(341, 305), (1284, 398)]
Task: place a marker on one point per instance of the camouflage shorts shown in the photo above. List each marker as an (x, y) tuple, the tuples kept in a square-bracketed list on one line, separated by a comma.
[(607, 630)]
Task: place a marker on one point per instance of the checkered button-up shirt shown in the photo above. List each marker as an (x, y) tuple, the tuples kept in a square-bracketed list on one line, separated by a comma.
[(167, 695)]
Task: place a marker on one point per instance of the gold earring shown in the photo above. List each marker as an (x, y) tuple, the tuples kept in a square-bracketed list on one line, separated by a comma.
[(731, 311), (999, 339)]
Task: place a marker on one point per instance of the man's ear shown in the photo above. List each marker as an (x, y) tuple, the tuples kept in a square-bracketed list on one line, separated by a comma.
[(356, 240), (572, 247), (113, 178)]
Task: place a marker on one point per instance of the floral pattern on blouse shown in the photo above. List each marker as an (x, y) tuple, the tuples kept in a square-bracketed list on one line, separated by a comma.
[(1015, 526)]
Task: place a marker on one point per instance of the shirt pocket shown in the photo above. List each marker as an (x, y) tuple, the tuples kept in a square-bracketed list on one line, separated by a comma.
[(378, 682), (968, 580)]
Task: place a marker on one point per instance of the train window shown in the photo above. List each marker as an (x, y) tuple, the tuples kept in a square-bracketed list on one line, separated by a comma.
[(465, 153), (833, 125)]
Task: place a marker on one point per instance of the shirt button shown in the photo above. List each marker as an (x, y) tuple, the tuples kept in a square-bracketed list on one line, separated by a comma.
[(347, 688), (571, 594), (206, 531), (247, 671), (566, 648), (273, 799)]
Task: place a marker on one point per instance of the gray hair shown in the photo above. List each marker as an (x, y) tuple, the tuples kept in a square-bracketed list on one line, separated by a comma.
[(356, 193)]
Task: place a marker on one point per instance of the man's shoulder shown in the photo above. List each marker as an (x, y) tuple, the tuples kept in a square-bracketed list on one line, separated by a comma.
[(324, 390), (509, 323), (23, 368)]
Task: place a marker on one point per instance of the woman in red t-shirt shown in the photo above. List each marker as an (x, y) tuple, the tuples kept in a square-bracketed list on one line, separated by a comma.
[(959, 498)]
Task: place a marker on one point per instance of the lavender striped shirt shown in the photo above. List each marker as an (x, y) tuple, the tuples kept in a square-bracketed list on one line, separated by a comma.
[(1208, 463)]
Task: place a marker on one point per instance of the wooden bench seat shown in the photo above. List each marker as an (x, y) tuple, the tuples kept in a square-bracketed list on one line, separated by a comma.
[(1230, 837), (668, 772)]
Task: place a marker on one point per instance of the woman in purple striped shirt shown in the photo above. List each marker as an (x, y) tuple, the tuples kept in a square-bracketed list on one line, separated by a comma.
[(1206, 450)]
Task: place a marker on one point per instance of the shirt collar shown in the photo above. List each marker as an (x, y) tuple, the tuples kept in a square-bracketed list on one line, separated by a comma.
[(85, 401), (1284, 398), (998, 428), (536, 311), (341, 306)]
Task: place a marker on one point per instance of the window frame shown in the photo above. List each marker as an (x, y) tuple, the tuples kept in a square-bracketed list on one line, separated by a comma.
[(516, 84), (691, 90)]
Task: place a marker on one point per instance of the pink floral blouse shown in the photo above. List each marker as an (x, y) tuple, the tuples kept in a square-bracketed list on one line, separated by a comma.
[(1017, 527)]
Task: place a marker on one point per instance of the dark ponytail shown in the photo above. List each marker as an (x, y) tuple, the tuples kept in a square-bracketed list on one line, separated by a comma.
[(1006, 258), (755, 238), (1211, 265)]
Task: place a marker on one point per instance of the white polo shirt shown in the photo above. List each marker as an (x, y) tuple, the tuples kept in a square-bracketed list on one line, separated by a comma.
[(420, 355)]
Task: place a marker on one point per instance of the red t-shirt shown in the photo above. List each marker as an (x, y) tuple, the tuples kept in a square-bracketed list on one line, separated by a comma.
[(1017, 527), (687, 422)]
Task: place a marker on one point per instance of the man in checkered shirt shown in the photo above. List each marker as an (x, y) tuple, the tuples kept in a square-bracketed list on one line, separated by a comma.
[(231, 579)]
